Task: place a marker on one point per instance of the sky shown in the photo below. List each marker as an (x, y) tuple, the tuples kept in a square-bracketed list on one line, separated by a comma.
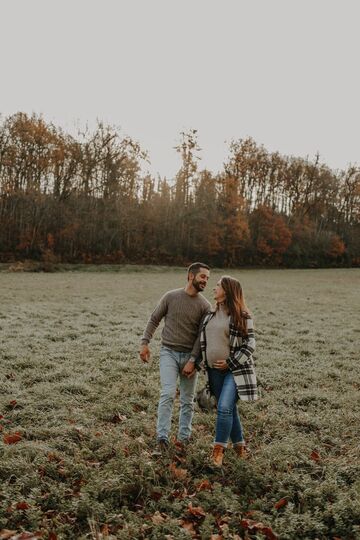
[(284, 72)]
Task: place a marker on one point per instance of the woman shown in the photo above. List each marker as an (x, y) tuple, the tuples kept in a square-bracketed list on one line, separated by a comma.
[(227, 343)]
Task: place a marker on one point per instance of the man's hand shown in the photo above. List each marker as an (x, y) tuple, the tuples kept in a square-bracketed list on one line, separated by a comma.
[(145, 353), (220, 364), (189, 369)]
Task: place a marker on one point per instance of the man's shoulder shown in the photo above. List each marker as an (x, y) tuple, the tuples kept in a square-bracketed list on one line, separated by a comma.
[(173, 293), (204, 301)]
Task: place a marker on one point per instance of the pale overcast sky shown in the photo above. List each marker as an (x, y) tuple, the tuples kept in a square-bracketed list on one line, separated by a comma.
[(282, 71)]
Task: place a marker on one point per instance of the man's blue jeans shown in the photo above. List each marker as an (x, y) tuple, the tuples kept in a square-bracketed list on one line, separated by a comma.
[(171, 365), (228, 425)]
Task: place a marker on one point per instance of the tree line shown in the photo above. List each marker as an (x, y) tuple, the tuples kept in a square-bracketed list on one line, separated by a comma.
[(84, 198)]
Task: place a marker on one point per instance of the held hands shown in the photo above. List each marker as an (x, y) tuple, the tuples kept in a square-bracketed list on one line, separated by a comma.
[(145, 353), (220, 364), (189, 369)]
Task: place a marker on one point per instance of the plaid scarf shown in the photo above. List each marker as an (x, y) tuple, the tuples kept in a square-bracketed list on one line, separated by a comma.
[(240, 361)]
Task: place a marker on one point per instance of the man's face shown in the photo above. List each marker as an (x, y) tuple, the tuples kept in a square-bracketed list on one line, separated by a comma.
[(199, 281)]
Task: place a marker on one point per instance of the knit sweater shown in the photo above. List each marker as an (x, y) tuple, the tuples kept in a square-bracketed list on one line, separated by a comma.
[(182, 314), (217, 337)]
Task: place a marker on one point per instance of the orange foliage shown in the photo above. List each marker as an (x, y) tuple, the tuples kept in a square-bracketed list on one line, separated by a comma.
[(336, 248)]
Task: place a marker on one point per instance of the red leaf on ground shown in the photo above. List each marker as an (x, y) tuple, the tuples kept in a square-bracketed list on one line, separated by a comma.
[(315, 456), (105, 530), (204, 485), (251, 525), (1, 427), (52, 536), (181, 474), (179, 494), (155, 495), (282, 502), (22, 505), (12, 438), (13, 403), (118, 418), (188, 526), (196, 511)]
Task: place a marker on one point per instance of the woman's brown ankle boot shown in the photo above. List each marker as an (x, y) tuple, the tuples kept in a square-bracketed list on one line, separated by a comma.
[(217, 455), (240, 450)]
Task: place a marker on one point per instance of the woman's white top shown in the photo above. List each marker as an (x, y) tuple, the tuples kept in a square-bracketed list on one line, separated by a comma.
[(217, 337)]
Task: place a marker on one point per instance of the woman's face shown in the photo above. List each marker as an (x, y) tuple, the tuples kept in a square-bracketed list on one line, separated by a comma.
[(219, 293)]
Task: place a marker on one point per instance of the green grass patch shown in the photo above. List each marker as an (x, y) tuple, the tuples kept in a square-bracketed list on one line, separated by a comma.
[(80, 411)]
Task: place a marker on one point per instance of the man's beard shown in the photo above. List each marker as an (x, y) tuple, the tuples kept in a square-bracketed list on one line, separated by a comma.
[(197, 285)]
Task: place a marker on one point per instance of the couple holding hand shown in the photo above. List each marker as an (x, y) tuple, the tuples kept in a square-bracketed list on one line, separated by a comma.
[(222, 339)]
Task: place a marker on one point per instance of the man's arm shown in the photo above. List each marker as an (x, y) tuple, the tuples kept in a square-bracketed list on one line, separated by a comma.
[(152, 324), (194, 361)]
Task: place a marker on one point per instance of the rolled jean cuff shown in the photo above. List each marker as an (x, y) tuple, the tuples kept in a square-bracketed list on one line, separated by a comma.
[(223, 444)]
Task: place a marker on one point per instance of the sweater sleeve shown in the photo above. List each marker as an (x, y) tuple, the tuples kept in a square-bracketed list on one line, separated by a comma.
[(246, 349), (196, 355), (155, 319)]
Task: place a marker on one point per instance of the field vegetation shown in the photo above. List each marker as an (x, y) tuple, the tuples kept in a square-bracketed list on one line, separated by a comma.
[(78, 457)]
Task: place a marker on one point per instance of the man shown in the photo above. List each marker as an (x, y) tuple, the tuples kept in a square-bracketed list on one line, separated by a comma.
[(183, 310)]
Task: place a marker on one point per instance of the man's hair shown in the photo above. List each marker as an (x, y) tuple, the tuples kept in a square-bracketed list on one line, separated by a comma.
[(194, 268)]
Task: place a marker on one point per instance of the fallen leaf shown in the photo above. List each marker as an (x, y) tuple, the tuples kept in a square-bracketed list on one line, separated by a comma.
[(181, 474), (222, 519), (282, 502), (197, 511), (12, 438), (22, 505), (204, 485), (13, 403), (255, 526), (156, 495), (188, 526), (157, 518), (315, 456), (105, 530), (52, 536), (179, 494), (6, 533)]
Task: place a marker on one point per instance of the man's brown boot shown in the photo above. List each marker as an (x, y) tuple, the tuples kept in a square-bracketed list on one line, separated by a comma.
[(240, 450), (217, 455)]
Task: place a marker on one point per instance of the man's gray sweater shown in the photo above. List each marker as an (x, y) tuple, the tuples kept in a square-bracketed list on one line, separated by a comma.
[(183, 314)]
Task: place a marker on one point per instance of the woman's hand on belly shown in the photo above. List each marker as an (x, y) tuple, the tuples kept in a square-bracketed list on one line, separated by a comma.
[(220, 364)]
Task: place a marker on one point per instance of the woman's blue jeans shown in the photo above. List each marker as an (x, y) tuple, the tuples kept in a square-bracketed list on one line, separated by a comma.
[(228, 425)]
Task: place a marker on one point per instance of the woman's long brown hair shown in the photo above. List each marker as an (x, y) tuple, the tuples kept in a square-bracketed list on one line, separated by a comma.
[(235, 303)]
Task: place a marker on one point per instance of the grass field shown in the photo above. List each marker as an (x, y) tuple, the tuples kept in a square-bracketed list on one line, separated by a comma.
[(78, 411)]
